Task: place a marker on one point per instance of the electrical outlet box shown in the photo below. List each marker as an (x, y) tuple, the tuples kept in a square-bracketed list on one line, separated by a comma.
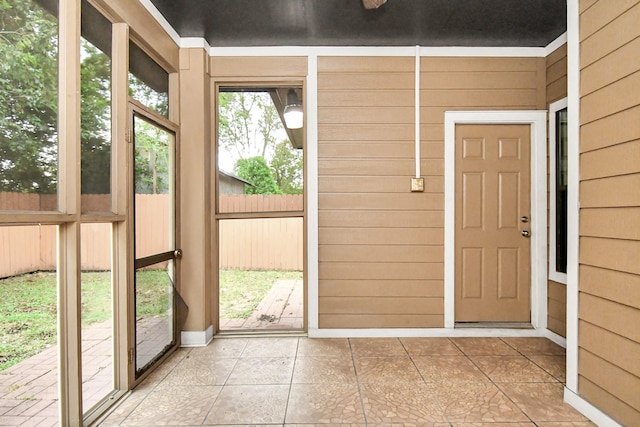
[(417, 184)]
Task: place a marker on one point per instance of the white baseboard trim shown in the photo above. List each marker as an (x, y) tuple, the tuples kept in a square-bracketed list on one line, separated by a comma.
[(196, 338), (558, 339), (588, 410), (430, 332)]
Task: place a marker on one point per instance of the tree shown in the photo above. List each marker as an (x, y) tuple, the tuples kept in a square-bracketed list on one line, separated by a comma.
[(95, 128), (248, 124), (287, 166), (256, 171), (28, 98), (29, 103)]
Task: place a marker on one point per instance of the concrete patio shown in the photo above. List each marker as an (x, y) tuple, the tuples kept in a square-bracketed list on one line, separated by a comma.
[(461, 382)]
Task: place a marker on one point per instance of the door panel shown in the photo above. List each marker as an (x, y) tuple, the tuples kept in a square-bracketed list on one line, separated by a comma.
[(492, 267), (155, 249)]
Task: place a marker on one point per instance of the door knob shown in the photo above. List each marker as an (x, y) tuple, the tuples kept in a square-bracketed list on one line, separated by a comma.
[(526, 233)]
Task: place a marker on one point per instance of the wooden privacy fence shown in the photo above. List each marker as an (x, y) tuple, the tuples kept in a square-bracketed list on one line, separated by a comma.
[(252, 244)]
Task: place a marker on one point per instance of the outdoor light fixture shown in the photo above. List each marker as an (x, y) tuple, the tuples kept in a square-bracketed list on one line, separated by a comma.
[(293, 116)]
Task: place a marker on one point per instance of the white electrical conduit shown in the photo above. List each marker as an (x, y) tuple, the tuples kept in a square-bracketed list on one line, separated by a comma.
[(417, 119)]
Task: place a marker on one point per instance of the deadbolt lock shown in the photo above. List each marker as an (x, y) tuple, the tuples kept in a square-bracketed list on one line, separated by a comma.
[(525, 219), (526, 233)]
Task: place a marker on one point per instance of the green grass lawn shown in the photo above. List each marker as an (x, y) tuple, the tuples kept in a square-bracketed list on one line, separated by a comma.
[(242, 290), (28, 318)]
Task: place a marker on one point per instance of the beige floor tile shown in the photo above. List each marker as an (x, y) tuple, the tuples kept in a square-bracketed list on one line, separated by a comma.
[(483, 347), (493, 424), (386, 369), (477, 402), (511, 369), (195, 371), (124, 409), (325, 347), (430, 347), (260, 370), (531, 346), (542, 401), (445, 369), (271, 347), (250, 404), (220, 348), (327, 425), (176, 405), (401, 403), (378, 347), (409, 425), (325, 403), (566, 424), (309, 370), (555, 365)]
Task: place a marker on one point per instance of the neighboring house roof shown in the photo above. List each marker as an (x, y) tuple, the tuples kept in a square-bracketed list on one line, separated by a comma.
[(234, 177)]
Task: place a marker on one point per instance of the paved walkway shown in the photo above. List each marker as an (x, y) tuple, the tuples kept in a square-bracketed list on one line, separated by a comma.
[(29, 390), (281, 309)]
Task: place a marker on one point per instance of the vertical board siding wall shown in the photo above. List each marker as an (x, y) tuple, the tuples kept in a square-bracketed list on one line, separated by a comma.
[(556, 90), (609, 311), (381, 247)]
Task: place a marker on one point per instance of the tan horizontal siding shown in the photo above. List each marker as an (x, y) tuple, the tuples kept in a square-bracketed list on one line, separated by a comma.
[(386, 184), (377, 167), (381, 236), (612, 347), (616, 318), (249, 66), (380, 288), (557, 308), (600, 74), (377, 253), (390, 218), (614, 223), (385, 305), (600, 192), (397, 150), (368, 321), (474, 80), (611, 378), (610, 37), (601, 14), (611, 130), (608, 403), (621, 159), (382, 270), (609, 271), (620, 255), (556, 74), (379, 244), (617, 286), (611, 99)]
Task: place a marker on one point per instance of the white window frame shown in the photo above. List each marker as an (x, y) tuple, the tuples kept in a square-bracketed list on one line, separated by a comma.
[(554, 275)]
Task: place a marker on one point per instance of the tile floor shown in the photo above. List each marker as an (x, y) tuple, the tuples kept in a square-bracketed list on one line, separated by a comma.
[(460, 382)]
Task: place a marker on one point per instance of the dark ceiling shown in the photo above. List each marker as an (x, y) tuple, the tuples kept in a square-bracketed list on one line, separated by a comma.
[(533, 23)]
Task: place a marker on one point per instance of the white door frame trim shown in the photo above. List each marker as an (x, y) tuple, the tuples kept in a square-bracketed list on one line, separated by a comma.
[(538, 121)]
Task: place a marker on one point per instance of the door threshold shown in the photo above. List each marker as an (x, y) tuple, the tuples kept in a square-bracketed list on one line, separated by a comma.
[(493, 325)]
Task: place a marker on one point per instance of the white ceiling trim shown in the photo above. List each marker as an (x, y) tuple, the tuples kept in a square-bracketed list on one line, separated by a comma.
[(533, 52), (551, 47), (162, 21)]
